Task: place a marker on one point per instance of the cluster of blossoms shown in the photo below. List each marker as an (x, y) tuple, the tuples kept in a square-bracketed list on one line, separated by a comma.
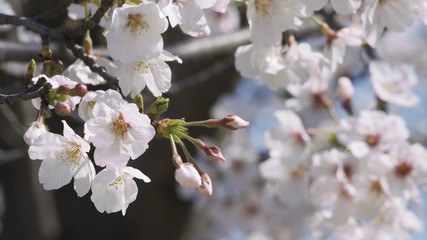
[(319, 174), (120, 130)]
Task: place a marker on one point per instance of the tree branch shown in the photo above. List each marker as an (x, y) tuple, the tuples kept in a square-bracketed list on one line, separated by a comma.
[(16, 97), (43, 30), (79, 53), (60, 8)]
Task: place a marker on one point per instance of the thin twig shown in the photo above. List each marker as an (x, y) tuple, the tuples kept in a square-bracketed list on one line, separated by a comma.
[(79, 53)]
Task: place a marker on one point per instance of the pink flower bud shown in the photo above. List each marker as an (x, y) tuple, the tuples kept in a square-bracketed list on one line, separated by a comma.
[(187, 176), (345, 88), (62, 109), (63, 89), (234, 122), (206, 187), (79, 90), (213, 152)]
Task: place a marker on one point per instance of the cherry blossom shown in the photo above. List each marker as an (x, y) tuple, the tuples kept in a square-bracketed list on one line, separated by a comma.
[(114, 190), (117, 130), (269, 18), (64, 157), (394, 83), (154, 73), (189, 16), (130, 25)]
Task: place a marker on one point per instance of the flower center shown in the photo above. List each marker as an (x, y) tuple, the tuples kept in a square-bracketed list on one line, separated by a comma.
[(403, 169), (376, 187), (120, 127), (137, 25), (263, 7), (144, 67), (372, 140), (118, 182), (72, 155)]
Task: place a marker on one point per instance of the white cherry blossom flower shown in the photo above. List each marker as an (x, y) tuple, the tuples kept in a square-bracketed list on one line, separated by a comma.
[(372, 132), (288, 142), (133, 32), (64, 157), (113, 190), (269, 18), (117, 130), (394, 15), (154, 73), (408, 171), (87, 104), (393, 84), (188, 14)]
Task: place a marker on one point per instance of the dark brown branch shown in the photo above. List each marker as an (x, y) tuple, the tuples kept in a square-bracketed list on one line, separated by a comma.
[(21, 96), (56, 34), (54, 12), (79, 53), (30, 24)]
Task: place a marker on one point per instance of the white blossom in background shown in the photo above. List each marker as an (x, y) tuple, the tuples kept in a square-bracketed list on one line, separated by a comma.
[(80, 72), (63, 158), (394, 15), (154, 73), (6, 8), (117, 130), (340, 6), (222, 23), (57, 81), (189, 15), (393, 84), (269, 18), (34, 131), (114, 189), (276, 67), (87, 103), (372, 132), (289, 141), (407, 173), (134, 32)]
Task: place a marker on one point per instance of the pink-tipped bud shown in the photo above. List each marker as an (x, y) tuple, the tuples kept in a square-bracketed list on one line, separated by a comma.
[(187, 175), (79, 90), (63, 89), (234, 122), (62, 109), (206, 187), (214, 152), (345, 88)]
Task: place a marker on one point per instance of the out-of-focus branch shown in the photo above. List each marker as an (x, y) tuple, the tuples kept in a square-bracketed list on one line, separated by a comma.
[(52, 13), (21, 96), (57, 34), (79, 53)]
